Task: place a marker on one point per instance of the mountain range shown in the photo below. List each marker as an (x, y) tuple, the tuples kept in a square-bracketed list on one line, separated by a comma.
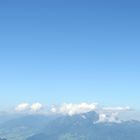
[(83, 126)]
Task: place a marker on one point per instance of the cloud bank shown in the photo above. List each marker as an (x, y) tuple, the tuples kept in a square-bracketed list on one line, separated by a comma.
[(26, 107), (72, 109), (22, 107), (106, 114)]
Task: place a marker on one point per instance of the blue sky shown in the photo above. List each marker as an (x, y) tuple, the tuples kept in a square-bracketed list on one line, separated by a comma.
[(55, 51)]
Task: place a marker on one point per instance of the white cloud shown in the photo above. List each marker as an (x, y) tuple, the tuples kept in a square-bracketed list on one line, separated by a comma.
[(36, 107), (111, 114), (106, 114), (53, 109), (118, 109), (112, 117), (72, 109), (26, 107), (102, 117), (22, 107)]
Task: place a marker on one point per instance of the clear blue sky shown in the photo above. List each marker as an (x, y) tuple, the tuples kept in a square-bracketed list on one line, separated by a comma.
[(55, 51)]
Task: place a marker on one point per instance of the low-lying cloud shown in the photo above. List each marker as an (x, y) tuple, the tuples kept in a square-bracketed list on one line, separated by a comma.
[(106, 114), (72, 109), (22, 107), (26, 107), (111, 114), (36, 107)]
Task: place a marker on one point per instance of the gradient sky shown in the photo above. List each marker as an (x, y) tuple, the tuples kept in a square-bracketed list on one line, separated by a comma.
[(55, 51)]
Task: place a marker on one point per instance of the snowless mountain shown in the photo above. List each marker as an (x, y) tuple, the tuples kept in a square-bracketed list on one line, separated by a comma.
[(83, 126)]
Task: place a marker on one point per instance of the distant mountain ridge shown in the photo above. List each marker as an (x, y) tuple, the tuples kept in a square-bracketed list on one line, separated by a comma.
[(83, 126), (2, 139), (23, 126)]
